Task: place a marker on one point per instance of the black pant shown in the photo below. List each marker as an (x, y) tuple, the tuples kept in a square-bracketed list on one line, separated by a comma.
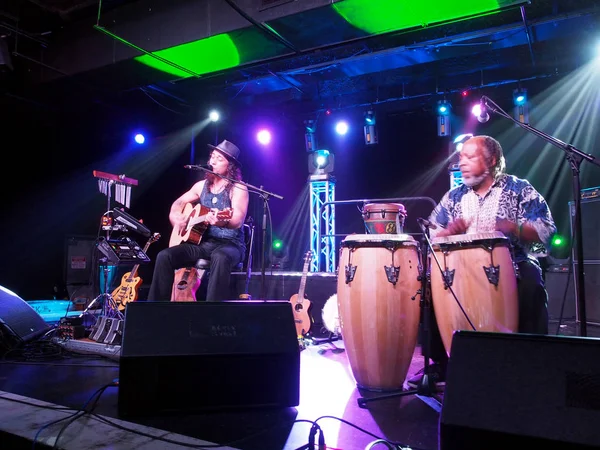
[(533, 309), (224, 255)]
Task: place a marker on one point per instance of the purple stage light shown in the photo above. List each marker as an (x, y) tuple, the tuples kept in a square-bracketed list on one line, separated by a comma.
[(264, 137)]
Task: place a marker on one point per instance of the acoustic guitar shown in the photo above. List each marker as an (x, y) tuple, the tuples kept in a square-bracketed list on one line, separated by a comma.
[(130, 282), (300, 304), (186, 283), (195, 224)]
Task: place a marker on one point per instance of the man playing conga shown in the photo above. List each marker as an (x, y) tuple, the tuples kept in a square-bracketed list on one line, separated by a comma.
[(491, 200)]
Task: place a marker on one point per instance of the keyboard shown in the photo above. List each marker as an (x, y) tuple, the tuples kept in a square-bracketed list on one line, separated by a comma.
[(90, 348)]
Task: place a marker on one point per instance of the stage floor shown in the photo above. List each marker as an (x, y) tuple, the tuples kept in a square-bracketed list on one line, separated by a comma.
[(328, 395)]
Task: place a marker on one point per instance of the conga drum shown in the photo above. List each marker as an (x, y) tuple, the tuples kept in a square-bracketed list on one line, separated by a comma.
[(377, 277), (479, 270), (384, 218)]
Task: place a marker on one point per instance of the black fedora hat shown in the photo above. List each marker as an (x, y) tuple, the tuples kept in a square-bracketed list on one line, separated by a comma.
[(229, 149)]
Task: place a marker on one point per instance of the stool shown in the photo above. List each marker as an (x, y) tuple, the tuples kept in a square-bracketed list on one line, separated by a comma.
[(188, 279)]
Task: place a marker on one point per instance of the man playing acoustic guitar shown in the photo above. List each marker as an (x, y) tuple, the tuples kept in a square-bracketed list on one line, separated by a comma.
[(211, 230)]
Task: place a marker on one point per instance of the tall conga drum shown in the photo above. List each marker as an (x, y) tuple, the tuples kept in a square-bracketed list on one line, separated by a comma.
[(384, 218), (479, 269), (377, 277)]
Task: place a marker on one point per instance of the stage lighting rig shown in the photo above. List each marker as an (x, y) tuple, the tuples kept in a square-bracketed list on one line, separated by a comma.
[(370, 129), (443, 118), (521, 105)]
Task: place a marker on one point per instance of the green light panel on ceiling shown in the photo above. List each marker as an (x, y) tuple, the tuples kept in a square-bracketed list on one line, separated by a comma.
[(381, 16), (204, 56)]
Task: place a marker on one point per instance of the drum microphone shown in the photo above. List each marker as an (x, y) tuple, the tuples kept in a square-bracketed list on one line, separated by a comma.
[(201, 167), (426, 223)]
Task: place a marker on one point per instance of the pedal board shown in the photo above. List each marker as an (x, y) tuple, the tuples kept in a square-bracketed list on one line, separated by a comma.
[(107, 330)]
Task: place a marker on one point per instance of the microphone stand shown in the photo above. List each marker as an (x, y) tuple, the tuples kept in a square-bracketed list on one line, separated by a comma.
[(265, 196), (575, 157)]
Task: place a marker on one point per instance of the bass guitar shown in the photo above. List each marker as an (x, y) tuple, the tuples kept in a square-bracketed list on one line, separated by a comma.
[(195, 224), (130, 282), (301, 305)]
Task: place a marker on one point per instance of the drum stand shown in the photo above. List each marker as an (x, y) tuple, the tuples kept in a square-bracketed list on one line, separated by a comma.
[(426, 389), (109, 307)]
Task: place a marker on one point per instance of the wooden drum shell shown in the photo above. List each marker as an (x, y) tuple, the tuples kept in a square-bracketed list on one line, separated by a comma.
[(384, 218), (379, 320), (489, 307)]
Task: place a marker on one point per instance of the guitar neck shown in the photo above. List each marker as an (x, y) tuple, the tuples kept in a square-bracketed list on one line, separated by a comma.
[(303, 280), (135, 268)]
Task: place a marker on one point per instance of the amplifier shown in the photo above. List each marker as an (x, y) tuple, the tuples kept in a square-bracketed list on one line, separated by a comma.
[(590, 224), (123, 250)]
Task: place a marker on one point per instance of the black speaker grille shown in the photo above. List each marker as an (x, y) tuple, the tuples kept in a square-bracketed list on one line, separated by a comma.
[(590, 224)]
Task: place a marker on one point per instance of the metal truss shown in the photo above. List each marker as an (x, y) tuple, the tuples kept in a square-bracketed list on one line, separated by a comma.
[(322, 222)]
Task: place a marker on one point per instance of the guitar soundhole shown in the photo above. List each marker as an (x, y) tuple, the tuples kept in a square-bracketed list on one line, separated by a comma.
[(298, 307), (182, 285)]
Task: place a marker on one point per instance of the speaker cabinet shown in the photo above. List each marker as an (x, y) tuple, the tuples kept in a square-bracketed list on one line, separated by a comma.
[(591, 273), (194, 356), (590, 224), (561, 289), (521, 391), (19, 322)]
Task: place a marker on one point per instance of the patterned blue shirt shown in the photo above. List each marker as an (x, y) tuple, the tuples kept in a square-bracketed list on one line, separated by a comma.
[(509, 198)]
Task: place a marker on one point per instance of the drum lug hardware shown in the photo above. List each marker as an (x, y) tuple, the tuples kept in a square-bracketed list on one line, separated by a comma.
[(448, 278), (350, 270), (493, 274), (392, 273)]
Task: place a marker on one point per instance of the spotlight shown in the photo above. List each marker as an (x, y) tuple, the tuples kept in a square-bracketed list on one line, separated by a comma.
[(521, 105), (309, 136), (320, 162), (139, 138), (369, 128), (279, 254), (214, 116), (443, 118), (264, 137), (460, 140), (456, 178), (341, 127)]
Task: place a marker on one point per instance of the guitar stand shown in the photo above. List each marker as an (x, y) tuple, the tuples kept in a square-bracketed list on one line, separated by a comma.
[(426, 390)]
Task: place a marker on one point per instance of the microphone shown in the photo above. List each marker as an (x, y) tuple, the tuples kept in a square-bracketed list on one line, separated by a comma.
[(426, 223), (483, 115), (201, 167)]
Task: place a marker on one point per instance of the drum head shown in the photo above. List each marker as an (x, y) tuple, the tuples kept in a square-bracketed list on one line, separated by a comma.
[(378, 240), (388, 207), (470, 239)]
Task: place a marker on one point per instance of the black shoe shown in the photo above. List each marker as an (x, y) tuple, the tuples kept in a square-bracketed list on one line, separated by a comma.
[(437, 374)]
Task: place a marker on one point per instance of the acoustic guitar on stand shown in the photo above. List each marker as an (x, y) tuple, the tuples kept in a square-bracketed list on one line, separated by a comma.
[(300, 304), (130, 282), (195, 224)]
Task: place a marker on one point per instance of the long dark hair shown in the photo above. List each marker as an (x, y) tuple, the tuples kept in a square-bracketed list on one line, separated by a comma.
[(234, 172)]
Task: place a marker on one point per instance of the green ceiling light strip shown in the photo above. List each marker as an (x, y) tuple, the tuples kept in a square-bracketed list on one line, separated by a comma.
[(158, 58), (385, 16), (204, 56)]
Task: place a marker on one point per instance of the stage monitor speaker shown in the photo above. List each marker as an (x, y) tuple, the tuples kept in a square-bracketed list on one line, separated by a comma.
[(19, 322), (194, 356), (515, 390)]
